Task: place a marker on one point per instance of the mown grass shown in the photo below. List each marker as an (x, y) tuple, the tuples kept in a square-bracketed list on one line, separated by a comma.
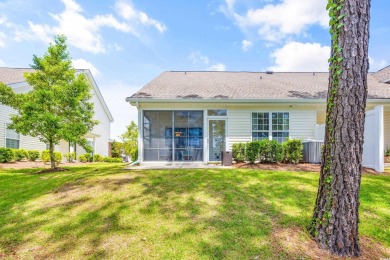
[(104, 211)]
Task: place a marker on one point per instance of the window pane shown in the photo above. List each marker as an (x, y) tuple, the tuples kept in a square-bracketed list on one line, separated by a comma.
[(217, 112), (12, 143), (11, 134)]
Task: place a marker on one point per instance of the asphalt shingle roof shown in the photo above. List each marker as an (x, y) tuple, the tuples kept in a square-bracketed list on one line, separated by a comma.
[(249, 85), (13, 75)]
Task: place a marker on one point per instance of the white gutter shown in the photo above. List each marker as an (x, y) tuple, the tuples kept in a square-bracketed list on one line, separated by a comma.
[(136, 101)]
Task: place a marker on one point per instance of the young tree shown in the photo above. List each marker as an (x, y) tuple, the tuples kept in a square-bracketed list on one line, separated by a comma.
[(130, 141), (58, 106), (335, 218)]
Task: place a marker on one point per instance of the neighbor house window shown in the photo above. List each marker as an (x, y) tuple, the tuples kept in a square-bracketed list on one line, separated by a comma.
[(266, 125), (12, 138)]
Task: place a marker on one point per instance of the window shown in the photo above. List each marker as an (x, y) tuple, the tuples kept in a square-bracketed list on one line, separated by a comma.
[(260, 126), (217, 112), (12, 138), (280, 126), (277, 128)]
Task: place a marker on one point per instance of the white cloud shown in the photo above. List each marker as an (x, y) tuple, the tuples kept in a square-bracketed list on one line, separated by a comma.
[(128, 12), (217, 67), (275, 21), (2, 63), (246, 45), (197, 57), (297, 56), (83, 64), (375, 64), (82, 32), (2, 39)]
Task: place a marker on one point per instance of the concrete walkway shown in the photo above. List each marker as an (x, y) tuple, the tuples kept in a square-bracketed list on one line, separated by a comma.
[(178, 166)]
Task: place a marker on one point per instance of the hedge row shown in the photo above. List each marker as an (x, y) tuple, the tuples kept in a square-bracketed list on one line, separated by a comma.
[(268, 151), (8, 155)]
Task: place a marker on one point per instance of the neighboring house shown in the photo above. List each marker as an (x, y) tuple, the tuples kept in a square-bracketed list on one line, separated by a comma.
[(193, 116), (98, 138)]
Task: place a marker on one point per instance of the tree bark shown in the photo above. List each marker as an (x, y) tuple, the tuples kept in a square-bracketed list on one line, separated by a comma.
[(52, 158), (335, 219)]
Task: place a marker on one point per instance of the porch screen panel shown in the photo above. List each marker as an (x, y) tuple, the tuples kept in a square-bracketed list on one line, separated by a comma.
[(188, 135), (173, 135), (157, 138)]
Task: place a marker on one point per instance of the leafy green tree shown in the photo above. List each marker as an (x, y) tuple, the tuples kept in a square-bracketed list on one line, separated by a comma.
[(58, 107), (130, 141), (116, 149)]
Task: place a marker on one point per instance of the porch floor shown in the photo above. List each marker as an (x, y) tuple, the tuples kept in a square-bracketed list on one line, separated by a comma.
[(151, 166)]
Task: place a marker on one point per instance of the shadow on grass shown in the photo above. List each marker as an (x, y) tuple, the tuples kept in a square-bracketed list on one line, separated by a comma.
[(108, 212), (250, 204)]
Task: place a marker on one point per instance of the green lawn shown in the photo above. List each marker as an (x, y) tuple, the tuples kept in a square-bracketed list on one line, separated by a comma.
[(104, 211)]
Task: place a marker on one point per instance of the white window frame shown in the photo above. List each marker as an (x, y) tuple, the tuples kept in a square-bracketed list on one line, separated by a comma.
[(270, 124)]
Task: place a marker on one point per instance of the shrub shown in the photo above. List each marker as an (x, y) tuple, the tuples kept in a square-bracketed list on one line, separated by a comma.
[(6, 155), (45, 156), (20, 154), (70, 157), (292, 150), (270, 151), (387, 151), (58, 157), (239, 152), (89, 157), (134, 154), (252, 151), (82, 158), (33, 155), (112, 160), (98, 158)]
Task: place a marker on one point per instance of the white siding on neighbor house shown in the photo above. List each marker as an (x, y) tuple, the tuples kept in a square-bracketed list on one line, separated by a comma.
[(102, 129), (31, 143), (26, 142)]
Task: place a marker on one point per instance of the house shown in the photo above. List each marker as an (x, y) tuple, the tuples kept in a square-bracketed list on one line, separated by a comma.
[(194, 115), (98, 138)]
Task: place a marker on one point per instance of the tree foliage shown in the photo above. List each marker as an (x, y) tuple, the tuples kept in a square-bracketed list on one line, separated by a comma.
[(58, 107), (130, 141)]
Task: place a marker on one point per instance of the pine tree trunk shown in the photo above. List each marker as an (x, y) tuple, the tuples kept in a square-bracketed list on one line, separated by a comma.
[(52, 158), (335, 219)]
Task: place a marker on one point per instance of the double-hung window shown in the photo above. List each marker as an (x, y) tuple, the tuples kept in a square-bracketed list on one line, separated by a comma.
[(12, 138), (270, 125)]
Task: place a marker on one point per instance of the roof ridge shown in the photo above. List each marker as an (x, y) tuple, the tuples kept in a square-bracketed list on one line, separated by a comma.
[(243, 71)]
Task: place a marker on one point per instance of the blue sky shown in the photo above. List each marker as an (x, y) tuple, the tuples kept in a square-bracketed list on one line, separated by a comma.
[(128, 43)]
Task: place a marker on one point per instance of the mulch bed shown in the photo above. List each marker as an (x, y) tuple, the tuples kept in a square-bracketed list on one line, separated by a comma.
[(302, 167)]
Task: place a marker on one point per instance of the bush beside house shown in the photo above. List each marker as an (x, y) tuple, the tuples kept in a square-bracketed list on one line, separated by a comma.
[(268, 151)]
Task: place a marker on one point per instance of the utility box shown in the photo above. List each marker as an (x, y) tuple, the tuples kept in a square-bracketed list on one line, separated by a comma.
[(227, 158), (312, 151)]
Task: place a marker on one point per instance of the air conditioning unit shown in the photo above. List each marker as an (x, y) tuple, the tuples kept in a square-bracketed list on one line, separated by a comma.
[(312, 151)]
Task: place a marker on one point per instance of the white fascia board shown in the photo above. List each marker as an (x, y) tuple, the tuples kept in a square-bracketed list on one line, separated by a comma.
[(134, 101)]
